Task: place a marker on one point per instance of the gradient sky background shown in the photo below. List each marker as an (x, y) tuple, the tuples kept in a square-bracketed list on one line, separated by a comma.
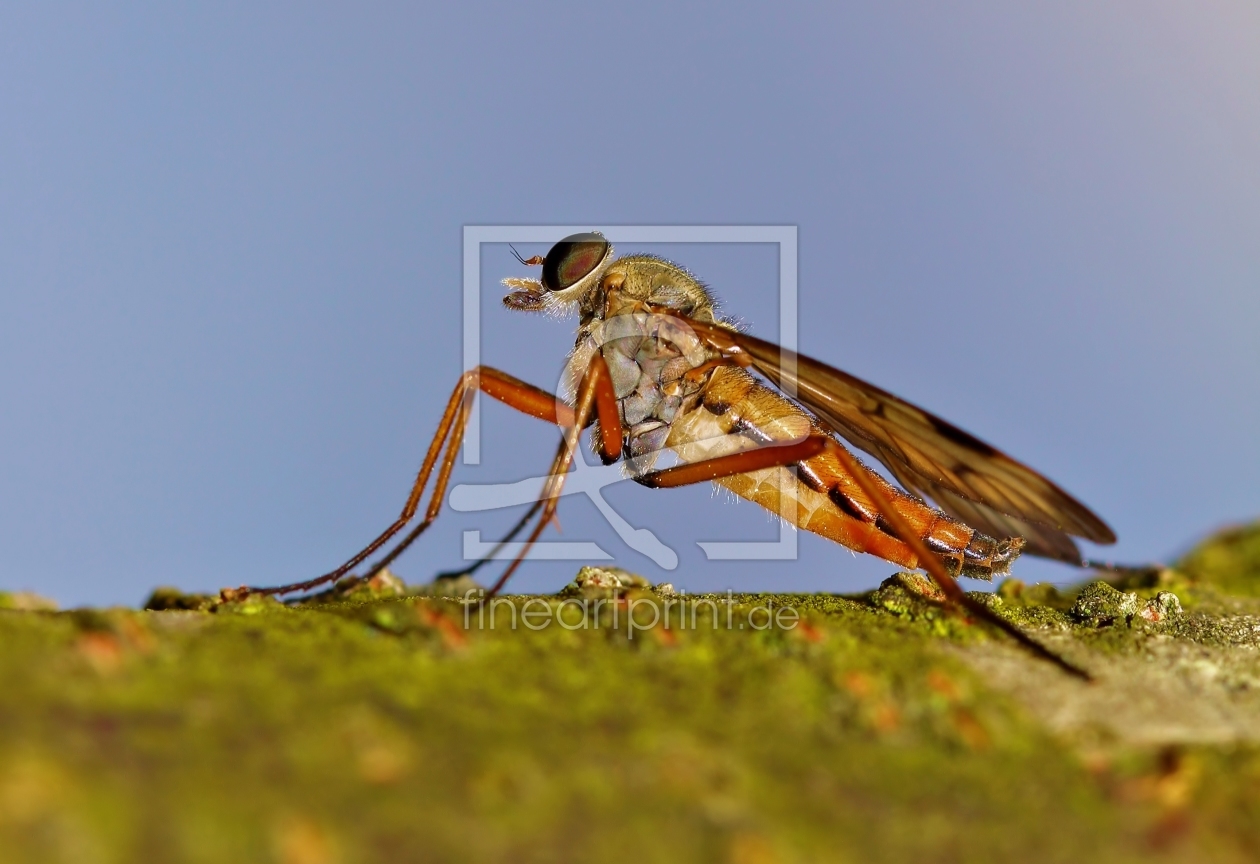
[(230, 257)]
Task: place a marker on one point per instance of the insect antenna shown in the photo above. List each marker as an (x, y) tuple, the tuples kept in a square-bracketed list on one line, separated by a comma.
[(517, 254)]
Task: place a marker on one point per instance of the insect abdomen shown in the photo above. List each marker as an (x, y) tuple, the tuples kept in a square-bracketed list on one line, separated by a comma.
[(739, 413)]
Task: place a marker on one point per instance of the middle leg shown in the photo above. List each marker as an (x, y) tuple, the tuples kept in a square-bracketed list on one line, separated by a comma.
[(596, 399), (501, 386)]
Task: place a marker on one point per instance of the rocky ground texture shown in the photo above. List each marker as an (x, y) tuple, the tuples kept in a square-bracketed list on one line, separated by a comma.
[(619, 720)]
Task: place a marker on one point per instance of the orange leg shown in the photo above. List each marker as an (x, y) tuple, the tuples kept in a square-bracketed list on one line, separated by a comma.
[(767, 456), (608, 444), (503, 387), (936, 568), (782, 455), (595, 399)]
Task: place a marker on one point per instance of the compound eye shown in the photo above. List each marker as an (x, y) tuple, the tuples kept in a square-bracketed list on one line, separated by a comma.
[(572, 260)]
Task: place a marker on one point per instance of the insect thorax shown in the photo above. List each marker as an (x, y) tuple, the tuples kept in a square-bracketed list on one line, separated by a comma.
[(649, 357)]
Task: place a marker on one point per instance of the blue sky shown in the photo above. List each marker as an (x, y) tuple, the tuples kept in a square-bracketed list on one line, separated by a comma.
[(230, 260)]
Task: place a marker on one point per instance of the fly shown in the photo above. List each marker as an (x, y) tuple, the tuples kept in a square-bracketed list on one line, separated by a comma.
[(654, 369)]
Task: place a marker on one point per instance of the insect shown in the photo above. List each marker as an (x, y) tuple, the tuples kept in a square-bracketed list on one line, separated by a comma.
[(655, 370)]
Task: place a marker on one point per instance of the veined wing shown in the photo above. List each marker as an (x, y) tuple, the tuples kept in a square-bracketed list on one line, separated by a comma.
[(1039, 539), (966, 477)]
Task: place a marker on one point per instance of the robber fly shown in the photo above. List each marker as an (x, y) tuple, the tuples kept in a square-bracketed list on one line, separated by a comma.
[(655, 369)]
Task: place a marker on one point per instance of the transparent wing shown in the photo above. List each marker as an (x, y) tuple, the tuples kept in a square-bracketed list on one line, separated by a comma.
[(1039, 539), (964, 476)]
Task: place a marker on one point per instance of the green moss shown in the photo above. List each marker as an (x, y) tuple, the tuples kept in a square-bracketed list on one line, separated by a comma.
[(1015, 593), (1228, 561), (386, 728), (370, 724), (25, 601), (166, 598)]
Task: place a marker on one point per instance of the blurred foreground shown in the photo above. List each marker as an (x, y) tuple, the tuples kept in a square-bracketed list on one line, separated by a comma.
[(376, 725)]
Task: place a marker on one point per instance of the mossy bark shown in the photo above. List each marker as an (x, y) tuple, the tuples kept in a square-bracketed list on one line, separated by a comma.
[(373, 725)]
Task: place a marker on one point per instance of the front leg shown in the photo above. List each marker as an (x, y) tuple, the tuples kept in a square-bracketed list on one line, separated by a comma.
[(596, 398), (507, 389)]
